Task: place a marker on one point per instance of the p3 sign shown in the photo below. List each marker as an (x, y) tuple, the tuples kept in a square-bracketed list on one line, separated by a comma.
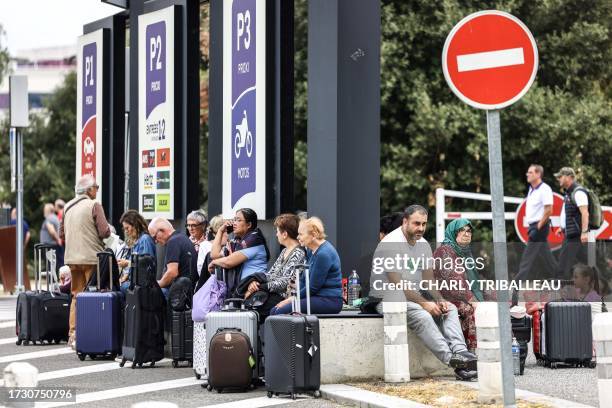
[(244, 96), (490, 59)]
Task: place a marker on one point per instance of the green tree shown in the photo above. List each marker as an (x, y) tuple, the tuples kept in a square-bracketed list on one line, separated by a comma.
[(49, 155), (431, 139), (4, 56)]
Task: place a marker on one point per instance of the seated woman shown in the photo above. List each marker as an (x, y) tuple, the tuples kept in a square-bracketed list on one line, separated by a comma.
[(139, 241), (283, 271), (324, 272), (448, 266), (586, 285), (247, 250)]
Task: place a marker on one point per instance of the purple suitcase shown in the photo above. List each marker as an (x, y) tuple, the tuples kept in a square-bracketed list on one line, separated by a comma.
[(99, 327)]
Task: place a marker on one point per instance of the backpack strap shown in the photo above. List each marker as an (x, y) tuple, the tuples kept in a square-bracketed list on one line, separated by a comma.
[(73, 204)]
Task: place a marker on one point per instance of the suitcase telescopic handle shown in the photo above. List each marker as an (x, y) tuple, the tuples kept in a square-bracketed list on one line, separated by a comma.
[(297, 305), (110, 270)]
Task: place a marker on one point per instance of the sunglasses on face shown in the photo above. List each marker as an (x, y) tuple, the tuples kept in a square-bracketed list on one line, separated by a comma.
[(192, 225)]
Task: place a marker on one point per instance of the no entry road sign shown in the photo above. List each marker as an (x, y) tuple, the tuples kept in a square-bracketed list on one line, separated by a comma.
[(490, 59)]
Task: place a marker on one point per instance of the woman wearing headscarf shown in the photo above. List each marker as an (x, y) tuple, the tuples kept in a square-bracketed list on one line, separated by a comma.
[(453, 261)]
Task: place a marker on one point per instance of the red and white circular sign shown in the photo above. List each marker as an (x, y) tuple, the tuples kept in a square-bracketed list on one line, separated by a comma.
[(554, 240), (490, 59)]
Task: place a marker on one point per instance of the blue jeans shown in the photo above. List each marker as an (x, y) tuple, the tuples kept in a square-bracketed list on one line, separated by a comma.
[(318, 305)]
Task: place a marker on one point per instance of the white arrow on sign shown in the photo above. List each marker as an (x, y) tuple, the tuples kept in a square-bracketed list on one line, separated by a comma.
[(490, 59)]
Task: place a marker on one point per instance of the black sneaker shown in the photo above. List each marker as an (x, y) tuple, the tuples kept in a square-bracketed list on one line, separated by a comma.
[(463, 359), (465, 375)]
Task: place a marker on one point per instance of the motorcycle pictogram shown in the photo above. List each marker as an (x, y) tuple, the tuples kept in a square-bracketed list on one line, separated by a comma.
[(243, 138)]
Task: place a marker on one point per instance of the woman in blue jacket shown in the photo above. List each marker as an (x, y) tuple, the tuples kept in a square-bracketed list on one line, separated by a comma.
[(324, 272), (138, 241)]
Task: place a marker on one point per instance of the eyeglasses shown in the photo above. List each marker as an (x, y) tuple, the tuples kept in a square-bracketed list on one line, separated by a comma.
[(466, 230), (192, 225), (238, 220)]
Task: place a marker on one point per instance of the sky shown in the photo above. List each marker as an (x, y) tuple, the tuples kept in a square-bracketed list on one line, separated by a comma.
[(44, 23)]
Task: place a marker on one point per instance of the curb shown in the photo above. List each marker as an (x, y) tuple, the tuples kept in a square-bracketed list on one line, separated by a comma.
[(345, 394)]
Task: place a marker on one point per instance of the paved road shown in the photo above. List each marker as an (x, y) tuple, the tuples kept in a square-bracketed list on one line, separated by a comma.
[(104, 383)]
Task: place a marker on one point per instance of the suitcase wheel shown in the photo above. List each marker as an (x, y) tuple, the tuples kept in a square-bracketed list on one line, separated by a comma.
[(219, 390), (174, 364), (140, 365), (208, 387), (92, 356), (592, 364), (133, 366), (317, 394), (122, 363), (269, 394), (152, 364), (198, 376), (18, 342), (81, 356)]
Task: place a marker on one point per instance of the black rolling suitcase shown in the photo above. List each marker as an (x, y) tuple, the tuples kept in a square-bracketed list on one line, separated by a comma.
[(567, 337), (143, 330), (521, 330), (43, 315), (292, 359), (181, 323)]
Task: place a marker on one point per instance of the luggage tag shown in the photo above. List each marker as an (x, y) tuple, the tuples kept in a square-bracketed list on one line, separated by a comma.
[(251, 361)]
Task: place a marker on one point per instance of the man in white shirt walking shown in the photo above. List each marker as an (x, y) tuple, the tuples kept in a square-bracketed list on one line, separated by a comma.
[(574, 222), (537, 216)]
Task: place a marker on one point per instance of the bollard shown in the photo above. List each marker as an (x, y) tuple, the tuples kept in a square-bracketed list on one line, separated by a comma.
[(489, 354), (602, 337), (20, 374), (397, 367)]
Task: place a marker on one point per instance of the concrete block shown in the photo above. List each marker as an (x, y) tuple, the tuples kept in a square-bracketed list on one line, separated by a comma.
[(342, 339), (351, 349)]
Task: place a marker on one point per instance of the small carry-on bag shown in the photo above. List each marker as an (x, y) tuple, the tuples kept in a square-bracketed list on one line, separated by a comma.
[(43, 315), (181, 323), (143, 330), (567, 336), (521, 329), (99, 315), (292, 357), (232, 335)]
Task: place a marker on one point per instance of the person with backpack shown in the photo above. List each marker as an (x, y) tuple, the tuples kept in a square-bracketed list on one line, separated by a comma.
[(581, 212)]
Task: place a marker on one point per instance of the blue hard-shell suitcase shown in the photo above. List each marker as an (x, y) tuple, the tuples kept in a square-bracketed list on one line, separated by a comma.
[(99, 320)]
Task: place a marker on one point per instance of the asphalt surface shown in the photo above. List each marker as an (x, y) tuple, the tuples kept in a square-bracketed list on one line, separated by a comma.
[(161, 383), (573, 384)]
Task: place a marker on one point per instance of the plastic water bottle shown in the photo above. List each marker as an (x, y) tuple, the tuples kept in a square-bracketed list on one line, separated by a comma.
[(354, 288), (516, 356)]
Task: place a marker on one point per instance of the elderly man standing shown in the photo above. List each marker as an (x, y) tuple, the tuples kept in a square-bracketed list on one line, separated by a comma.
[(83, 228), (181, 257)]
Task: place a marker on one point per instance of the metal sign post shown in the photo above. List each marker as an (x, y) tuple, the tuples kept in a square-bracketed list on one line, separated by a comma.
[(500, 255), (490, 60), (19, 115)]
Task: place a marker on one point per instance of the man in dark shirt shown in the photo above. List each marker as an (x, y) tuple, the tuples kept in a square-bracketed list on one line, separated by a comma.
[(181, 257)]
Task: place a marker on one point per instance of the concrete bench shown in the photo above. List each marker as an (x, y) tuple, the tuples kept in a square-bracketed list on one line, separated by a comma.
[(352, 349)]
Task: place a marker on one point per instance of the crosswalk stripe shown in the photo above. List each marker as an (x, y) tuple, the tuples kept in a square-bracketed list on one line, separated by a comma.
[(90, 369), (36, 354), (258, 402), (8, 340), (124, 392), (6, 325)]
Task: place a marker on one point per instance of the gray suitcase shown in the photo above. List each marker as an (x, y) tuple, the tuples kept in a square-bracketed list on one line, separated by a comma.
[(234, 317)]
